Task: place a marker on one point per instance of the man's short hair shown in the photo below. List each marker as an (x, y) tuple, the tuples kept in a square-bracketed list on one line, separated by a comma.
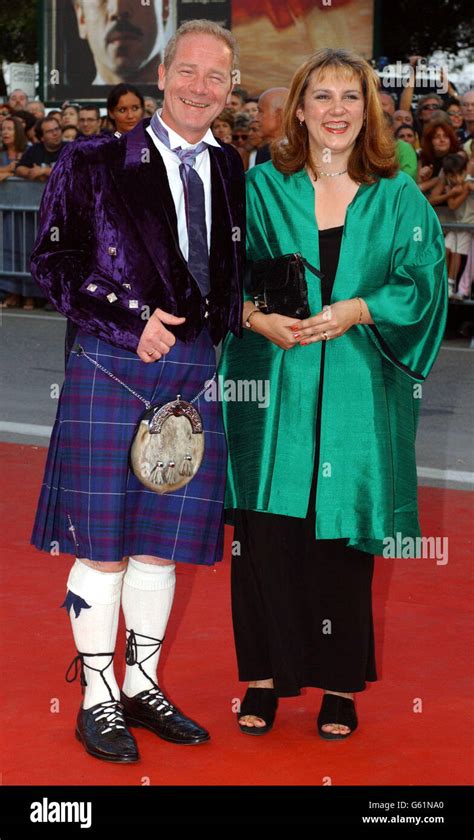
[(201, 27), (39, 130), (94, 108), (241, 93), (453, 164)]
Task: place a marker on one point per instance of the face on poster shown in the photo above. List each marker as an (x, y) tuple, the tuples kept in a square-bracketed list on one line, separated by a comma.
[(126, 38), (92, 45)]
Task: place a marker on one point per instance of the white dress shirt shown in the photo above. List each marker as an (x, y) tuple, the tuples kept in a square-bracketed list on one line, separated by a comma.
[(202, 166)]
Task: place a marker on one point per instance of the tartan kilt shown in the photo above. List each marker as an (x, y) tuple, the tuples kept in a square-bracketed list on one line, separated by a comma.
[(91, 505)]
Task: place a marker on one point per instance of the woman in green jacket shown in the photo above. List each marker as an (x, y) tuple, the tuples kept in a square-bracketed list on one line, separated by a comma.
[(322, 471)]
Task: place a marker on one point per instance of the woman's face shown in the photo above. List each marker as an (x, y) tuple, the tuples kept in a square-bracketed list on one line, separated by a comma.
[(255, 135), (8, 132), (251, 108), (441, 142), (455, 116), (333, 111), (127, 112), (69, 117), (408, 135)]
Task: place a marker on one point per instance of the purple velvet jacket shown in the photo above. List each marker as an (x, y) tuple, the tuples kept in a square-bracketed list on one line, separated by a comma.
[(107, 252)]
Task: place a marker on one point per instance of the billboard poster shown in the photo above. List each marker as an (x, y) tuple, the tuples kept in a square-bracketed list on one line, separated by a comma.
[(87, 50), (276, 37)]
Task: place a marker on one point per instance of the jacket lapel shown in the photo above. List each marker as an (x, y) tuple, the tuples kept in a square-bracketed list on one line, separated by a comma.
[(140, 177)]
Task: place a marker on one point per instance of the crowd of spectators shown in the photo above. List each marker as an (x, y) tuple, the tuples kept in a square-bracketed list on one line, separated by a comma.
[(433, 139)]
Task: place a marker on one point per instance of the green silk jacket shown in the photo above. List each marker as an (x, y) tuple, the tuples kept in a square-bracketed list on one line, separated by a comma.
[(393, 256)]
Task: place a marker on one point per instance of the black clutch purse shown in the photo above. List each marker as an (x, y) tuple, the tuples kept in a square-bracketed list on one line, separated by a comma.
[(279, 285)]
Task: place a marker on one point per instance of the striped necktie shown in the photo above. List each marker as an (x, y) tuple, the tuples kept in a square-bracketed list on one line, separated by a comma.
[(198, 255)]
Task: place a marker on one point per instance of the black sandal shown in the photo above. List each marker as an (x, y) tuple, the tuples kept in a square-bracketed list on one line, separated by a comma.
[(337, 709), (261, 702)]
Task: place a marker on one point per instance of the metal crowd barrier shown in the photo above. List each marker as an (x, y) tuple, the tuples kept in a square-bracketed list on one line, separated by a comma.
[(19, 205)]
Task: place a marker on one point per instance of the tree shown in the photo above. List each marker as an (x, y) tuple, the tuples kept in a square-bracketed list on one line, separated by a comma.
[(18, 33), (420, 28)]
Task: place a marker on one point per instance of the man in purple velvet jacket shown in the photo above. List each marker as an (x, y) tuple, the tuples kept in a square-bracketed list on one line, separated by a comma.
[(141, 247)]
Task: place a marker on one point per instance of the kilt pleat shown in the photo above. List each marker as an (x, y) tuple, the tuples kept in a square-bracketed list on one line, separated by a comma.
[(91, 505)]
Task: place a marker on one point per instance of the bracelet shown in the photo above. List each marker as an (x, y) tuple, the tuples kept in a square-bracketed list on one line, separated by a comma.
[(360, 313), (247, 320)]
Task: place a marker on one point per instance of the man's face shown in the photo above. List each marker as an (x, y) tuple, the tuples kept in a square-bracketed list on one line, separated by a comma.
[(408, 135), (402, 118), (120, 33), (251, 108), (467, 105), (387, 103), (36, 108), (52, 135), (89, 122), (150, 105), (269, 117), (426, 112), (236, 103), (18, 100), (196, 85)]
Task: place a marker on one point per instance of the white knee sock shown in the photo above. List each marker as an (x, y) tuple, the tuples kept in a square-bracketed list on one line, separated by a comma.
[(147, 598), (95, 629)]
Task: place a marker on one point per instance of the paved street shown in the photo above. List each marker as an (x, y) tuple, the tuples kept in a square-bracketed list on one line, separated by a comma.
[(32, 373)]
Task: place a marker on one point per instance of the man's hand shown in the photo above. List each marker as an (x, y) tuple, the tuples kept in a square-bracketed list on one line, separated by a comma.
[(39, 173), (155, 339)]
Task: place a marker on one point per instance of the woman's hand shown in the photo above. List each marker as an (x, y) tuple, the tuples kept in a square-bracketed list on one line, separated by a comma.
[(276, 328), (333, 321)]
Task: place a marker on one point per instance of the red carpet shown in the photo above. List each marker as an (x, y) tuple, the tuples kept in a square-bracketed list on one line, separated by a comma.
[(423, 648)]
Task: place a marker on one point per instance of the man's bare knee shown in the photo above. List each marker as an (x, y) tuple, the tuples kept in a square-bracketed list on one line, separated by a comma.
[(156, 561), (106, 567)]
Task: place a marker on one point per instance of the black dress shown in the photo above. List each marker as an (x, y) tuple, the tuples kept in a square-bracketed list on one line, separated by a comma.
[(301, 607)]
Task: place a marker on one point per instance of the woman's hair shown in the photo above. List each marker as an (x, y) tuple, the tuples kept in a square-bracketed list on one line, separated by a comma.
[(20, 142), (427, 152), (116, 94), (373, 155), (226, 116), (74, 107)]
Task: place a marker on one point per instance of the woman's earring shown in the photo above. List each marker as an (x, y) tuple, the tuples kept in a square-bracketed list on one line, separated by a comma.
[(300, 122)]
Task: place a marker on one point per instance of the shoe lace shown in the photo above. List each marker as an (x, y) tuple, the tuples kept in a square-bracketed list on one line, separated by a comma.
[(156, 696), (113, 714), (78, 664)]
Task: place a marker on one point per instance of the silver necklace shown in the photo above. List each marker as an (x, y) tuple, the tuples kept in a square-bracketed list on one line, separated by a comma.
[(329, 174)]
